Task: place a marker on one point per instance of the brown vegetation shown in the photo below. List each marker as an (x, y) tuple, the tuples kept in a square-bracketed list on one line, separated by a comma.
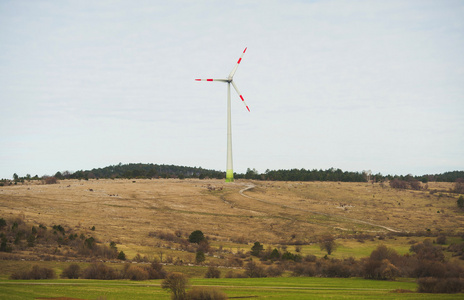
[(266, 228), (205, 293), (35, 273)]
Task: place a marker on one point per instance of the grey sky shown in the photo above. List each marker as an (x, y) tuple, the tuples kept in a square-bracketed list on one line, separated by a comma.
[(354, 85)]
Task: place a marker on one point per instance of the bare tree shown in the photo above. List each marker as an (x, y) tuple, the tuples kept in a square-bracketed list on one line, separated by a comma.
[(177, 283), (327, 243)]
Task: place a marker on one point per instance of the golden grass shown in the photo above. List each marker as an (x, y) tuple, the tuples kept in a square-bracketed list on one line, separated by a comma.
[(125, 211)]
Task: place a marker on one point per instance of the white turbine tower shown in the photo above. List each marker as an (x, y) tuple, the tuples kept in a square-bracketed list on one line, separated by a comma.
[(229, 80)]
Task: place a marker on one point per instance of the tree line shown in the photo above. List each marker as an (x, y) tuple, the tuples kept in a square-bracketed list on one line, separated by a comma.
[(139, 170)]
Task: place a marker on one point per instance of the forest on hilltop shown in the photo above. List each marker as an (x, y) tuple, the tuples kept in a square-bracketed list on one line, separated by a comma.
[(140, 170)]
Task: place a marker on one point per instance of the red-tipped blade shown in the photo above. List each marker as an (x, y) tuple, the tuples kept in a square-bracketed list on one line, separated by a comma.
[(240, 95), (231, 75), (209, 79)]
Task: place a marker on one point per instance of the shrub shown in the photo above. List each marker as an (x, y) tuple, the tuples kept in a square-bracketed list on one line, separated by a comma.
[(335, 268), (49, 180), (441, 239), (426, 250), (4, 247), (213, 272), (459, 186), (157, 271), (73, 271), (2, 223), (304, 269), (290, 256), (383, 252), (398, 184), (234, 262), (100, 271), (457, 249), (274, 271), (200, 257), (428, 268), (310, 258), (438, 285), (176, 283), (35, 273), (380, 264), (135, 273), (196, 237), (122, 256), (256, 249), (252, 270), (275, 254), (203, 246), (460, 201), (415, 184), (203, 293)]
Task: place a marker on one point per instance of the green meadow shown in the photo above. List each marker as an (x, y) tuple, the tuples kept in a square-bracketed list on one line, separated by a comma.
[(249, 288)]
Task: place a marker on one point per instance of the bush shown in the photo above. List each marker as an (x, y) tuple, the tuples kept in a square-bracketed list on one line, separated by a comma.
[(460, 201), (256, 249), (379, 264), (213, 272), (135, 273), (73, 271), (122, 256), (196, 237), (429, 268), (437, 285), (203, 293), (274, 271), (304, 269), (459, 186), (427, 251), (290, 256), (200, 257), (441, 239), (252, 270), (157, 271), (49, 180), (100, 271), (177, 283), (274, 255), (35, 273), (2, 223), (398, 184), (335, 268)]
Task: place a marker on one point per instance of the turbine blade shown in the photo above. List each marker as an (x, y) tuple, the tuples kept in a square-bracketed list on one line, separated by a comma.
[(231, 75), (241, 97), (223, 80)]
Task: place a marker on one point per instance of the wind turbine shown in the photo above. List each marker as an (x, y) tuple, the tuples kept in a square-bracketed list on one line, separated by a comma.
[(229, 80)]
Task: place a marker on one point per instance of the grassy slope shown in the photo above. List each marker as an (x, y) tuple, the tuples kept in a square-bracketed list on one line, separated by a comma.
[(125, 212)]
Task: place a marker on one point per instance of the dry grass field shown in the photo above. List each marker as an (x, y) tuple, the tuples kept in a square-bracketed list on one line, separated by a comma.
[(126, 211)]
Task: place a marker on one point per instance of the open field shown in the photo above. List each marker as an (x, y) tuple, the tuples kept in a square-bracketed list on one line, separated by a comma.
[(251, 288), (125, 210), (291, 215)]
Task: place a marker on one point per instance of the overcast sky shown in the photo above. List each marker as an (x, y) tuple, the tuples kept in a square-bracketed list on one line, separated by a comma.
[(356, 85)]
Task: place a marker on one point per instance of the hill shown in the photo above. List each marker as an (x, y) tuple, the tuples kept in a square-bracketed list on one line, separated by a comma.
[(251, 228), (139, 170), (270, 212)]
